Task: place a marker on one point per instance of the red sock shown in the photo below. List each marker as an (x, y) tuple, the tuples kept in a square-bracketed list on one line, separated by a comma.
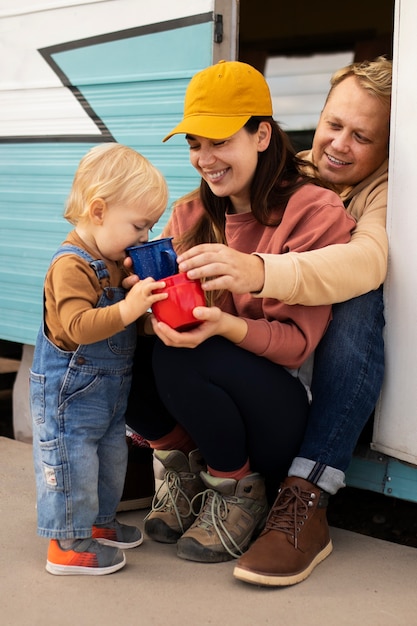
[(236, 474), (177, 439)]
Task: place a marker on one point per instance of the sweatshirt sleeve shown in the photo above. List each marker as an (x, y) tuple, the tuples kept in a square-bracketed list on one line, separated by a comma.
[(337, 272), (290, 340)]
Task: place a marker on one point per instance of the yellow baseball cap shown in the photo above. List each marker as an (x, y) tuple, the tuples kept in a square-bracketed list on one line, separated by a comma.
[(221, 98)]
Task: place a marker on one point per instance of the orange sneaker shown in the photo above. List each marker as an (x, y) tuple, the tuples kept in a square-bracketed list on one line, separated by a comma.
[(85, 556), (118, 535)]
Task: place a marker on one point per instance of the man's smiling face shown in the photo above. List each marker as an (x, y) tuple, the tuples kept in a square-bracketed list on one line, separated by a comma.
[(351, 139)]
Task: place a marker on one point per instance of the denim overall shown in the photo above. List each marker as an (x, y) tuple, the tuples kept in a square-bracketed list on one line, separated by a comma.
[(78, 403)]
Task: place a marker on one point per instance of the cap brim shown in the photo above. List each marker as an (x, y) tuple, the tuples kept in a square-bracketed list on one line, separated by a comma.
[(209, 126)]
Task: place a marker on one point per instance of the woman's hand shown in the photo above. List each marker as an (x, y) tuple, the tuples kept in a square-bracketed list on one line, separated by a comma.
[(226, 268), (213, 322)]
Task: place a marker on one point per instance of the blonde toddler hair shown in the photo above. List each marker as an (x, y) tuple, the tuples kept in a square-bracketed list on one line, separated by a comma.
[(115, 173)]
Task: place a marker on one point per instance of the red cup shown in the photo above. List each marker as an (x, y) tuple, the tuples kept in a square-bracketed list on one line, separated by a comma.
[(183, 296)]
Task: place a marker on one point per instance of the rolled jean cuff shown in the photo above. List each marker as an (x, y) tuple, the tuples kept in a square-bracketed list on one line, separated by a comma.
[(325, 477)]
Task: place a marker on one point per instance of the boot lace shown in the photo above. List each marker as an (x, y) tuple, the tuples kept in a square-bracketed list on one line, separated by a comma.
[(166, 498), (290, 511), (213, 513)]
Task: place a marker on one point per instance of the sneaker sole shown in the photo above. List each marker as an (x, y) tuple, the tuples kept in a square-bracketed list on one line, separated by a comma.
[(119, 544), (74, 570), (281, 581)]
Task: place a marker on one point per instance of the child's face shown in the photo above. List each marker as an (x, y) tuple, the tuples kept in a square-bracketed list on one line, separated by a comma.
[(123, 226)]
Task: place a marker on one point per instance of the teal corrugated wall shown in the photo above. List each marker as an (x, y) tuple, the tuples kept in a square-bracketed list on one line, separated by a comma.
[(136, 86)]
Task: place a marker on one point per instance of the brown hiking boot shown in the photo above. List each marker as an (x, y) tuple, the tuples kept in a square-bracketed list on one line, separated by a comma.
[(230, 514), (171, 512), (295, 539)]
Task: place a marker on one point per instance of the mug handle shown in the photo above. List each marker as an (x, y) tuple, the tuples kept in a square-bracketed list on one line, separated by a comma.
[(171, 253)]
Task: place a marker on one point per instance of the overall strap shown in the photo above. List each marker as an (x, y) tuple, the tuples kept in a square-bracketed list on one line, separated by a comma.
[(98, 265)]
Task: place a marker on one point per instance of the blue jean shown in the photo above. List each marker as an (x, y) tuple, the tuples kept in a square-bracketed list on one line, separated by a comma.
[(78, 402), (347, 380)]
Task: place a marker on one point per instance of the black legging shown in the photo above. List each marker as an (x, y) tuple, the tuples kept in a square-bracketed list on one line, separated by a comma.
[(233, 403)]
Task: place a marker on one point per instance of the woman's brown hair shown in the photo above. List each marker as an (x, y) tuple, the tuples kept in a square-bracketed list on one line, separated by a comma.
[(277, 177)]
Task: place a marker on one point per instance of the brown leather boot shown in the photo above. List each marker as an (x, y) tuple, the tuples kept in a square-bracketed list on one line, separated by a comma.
[(295, 539)]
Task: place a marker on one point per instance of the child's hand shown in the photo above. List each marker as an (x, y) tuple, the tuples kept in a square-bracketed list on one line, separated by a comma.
[(128, 264), (140, 298), (132, 279)]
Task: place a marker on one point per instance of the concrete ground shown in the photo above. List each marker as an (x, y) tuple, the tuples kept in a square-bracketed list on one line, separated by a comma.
[(365, 582)]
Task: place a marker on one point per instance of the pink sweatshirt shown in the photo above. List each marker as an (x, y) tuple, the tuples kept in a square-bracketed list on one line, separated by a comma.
[(314, 218)]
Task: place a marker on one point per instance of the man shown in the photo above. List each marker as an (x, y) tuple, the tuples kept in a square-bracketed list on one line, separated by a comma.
[(350, 152)]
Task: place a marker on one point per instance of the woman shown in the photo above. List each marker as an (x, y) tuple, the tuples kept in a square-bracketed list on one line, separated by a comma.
[(236, 404)]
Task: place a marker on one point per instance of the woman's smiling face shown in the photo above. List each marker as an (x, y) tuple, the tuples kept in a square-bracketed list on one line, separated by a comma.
[(228, 165)]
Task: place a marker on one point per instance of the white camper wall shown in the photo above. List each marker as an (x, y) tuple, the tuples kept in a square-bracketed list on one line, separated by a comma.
[(25, 27), (74, 73), (395, 430)]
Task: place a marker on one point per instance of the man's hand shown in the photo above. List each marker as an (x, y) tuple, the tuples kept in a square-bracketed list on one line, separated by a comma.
[(223, 267)]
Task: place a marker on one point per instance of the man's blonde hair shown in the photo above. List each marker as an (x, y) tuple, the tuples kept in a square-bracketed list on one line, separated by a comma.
[(115, 173), (374, 76)]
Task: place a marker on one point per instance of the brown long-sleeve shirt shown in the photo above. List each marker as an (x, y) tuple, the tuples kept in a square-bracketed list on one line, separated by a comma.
[(72, 291)]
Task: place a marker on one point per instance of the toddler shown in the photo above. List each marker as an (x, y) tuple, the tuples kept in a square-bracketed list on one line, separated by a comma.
[(81, 371)]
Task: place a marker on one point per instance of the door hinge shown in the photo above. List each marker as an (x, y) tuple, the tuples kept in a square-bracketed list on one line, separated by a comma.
[(218, 28)]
